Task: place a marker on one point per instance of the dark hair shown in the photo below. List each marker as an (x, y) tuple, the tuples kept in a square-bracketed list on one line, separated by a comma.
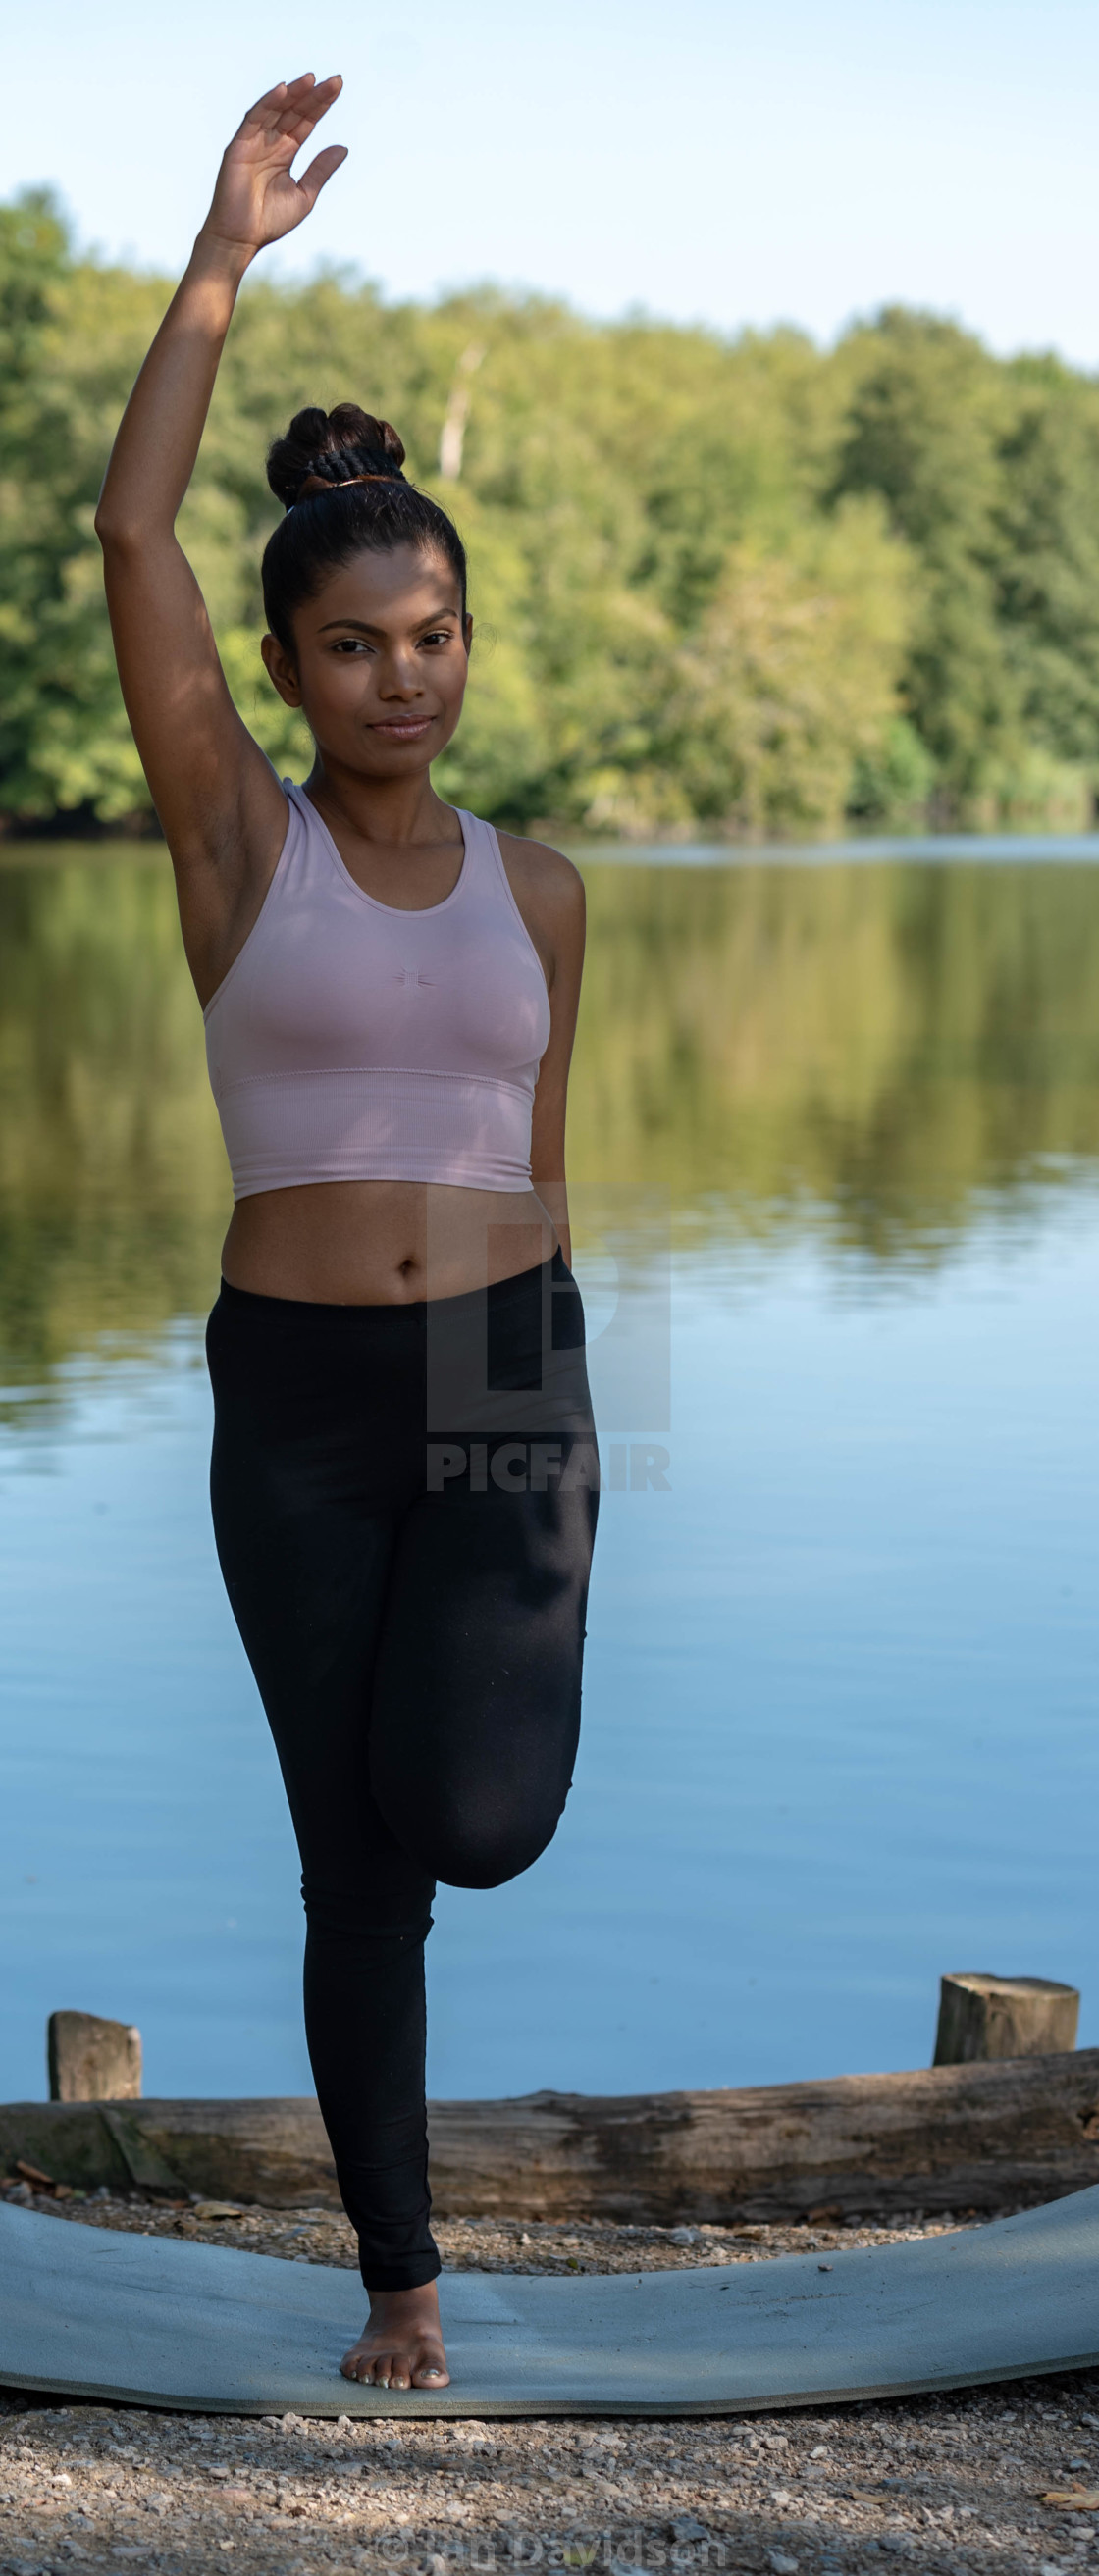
[(326, 529)]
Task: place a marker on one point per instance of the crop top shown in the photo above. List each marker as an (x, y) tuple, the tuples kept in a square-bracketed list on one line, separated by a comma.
[(352, 1041)]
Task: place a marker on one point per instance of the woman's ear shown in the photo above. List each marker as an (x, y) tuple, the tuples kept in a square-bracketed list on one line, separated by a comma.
[(467, 630), (281, 671)]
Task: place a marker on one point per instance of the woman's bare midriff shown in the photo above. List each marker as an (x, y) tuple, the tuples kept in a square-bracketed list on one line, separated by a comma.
[(383, 1243)]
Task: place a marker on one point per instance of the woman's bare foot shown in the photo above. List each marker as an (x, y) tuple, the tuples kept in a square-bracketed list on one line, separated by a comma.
[(401, 2344)]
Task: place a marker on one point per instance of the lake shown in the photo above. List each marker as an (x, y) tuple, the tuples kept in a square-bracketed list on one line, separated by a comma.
[(834, 1162)]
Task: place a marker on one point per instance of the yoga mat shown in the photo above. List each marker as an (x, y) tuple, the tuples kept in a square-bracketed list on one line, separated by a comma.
[(87, 2312)]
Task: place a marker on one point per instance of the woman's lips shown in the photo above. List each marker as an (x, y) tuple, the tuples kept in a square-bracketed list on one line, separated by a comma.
[(403, 728)]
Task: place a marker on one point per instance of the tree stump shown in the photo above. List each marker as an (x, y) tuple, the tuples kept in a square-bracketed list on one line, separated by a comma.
[(982, 2016), (92, 2060)]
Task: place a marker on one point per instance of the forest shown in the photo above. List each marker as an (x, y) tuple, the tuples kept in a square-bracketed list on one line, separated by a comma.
[(724, 588)]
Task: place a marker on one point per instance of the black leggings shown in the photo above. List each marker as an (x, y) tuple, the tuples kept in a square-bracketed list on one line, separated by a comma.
[(404, 1502)]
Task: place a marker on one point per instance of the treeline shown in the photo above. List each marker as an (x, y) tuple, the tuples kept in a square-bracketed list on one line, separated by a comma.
[(722, 587)]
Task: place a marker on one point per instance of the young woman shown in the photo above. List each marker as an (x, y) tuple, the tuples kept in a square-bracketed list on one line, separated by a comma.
[(404, 1471)]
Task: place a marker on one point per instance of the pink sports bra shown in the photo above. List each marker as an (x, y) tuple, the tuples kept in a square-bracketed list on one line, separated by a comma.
[(351, 1041)]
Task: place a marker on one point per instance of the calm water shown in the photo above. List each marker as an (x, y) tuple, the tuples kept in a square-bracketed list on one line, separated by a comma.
[(835, 1161)]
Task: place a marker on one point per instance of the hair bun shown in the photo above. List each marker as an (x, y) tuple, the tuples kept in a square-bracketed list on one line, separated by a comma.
[(334, 445)]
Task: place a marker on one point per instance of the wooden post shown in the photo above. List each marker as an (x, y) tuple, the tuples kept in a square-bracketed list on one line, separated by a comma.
[(92, 2060), (982, 2016)]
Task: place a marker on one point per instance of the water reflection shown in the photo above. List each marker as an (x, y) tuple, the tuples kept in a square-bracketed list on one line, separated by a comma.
[(112, 1181), (873, 1052)]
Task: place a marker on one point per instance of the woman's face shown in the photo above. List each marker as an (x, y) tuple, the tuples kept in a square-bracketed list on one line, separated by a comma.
[(381, 662)]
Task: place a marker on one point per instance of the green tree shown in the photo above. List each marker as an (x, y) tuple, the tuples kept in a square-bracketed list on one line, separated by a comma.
[(928, 413), (1047, 557), (791, 677)]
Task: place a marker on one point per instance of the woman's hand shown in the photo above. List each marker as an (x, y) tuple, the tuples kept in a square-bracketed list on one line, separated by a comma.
[(256, 200)]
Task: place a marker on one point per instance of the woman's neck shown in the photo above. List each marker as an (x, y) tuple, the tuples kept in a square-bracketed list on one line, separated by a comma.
[(394, 810)]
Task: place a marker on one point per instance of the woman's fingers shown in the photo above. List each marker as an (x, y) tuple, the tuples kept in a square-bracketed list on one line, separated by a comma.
[(320, 171), (306, 102), (263, 115), (274, 100), (291, 108)]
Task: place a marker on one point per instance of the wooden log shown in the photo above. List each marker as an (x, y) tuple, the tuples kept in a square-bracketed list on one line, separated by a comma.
[(984, 2017), (91, 2060), (981, 2137), (273, 2151)]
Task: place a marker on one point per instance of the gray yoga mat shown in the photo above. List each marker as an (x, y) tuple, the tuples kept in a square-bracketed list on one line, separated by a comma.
[(155, 2321)]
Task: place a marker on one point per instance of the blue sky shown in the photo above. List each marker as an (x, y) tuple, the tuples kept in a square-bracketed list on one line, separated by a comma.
[(800, 160)]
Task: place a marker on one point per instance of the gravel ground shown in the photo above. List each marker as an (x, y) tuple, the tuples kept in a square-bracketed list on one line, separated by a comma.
[(950, 2483)]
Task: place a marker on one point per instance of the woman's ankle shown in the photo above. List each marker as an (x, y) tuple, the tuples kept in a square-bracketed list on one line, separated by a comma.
[(421, 2294)]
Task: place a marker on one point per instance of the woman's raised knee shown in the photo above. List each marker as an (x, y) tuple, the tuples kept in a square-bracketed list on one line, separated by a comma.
[(479, 1850)]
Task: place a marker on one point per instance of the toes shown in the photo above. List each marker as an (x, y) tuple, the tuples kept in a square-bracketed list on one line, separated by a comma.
[(392, 2370)]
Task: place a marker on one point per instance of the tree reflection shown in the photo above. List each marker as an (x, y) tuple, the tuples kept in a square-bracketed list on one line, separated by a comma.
[(874, 1053)]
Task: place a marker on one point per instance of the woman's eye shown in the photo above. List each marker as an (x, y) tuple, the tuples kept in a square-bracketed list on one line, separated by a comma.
[(443, 637)]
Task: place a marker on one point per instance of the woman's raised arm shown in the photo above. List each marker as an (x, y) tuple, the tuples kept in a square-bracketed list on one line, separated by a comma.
[(221, 806)]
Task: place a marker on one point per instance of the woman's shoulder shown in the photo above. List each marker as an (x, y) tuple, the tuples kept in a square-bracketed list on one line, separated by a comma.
[(549, 893), (543, 873)]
